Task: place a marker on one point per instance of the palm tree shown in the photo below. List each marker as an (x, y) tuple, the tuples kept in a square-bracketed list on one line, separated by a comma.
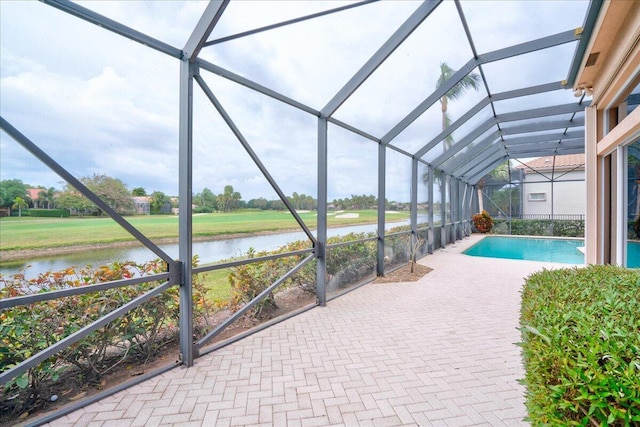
[(42, 199), (51, 197), (500, 172), (470, 81), (19, 203)]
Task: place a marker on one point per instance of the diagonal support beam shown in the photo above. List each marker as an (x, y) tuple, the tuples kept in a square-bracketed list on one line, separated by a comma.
[(203, 29), (81, 333), (262, 295), (236, 78), (64, 174), (288, 22), (380, 56), (245, 144)]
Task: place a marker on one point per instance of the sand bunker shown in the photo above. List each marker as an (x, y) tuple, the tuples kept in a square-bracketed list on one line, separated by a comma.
[(348, 215)]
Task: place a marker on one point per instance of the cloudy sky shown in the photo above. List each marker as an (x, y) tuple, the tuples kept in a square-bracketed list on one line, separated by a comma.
[(101, 104)]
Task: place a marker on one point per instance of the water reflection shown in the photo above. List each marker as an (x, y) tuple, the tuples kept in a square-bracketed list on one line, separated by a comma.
[(208, 251)]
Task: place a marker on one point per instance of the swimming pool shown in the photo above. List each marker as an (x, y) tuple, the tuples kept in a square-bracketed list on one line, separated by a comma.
[(542, 249), (529, 248)]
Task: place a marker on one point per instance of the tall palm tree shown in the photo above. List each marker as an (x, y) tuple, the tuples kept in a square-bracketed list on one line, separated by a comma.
[(470, 81)]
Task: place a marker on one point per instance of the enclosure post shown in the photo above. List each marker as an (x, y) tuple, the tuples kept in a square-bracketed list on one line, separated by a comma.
[(521, 199), (443, 210), (460, 198), (452, 208), (414, 202), (466, 208), (455, 194), (184, 215), (321, 245), (430, 244), (382, 159)]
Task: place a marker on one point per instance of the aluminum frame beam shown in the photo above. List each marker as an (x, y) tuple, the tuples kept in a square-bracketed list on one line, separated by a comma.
[(493, 149), (114, 26), (430, 235), (203, 29), (514, 130), (535, 139), (544, 147), (464, 142), (542, 126), (321, 242), (81, 333), (245, 144), (396, 39), (262, 295), (286, 23), (572, 138), (519, 49), (473, 179), (21, 139), (532, 90), (382, 164), (472, 152), (509, 117), (250, 84), (185, 217)]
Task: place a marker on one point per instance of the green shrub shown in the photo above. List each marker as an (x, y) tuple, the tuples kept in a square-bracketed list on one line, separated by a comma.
[(581, 346), (540, 227), (135, 337), (249, 280), (50, 213)]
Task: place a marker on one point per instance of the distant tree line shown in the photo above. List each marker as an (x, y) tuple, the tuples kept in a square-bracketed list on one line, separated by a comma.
[(14, 195)]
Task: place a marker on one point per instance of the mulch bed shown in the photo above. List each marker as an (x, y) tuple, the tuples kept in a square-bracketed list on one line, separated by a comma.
[(404, 274)]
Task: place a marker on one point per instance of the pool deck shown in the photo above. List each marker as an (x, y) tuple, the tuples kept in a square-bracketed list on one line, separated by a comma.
[(437, 352)]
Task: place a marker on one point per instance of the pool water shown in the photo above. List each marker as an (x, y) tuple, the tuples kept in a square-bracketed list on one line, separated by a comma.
[(527, 248), (633, 254)]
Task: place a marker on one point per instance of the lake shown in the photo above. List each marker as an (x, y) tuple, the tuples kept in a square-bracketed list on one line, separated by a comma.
[(208, 251)]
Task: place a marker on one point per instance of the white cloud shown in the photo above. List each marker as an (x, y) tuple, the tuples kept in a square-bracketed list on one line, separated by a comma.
[(100, 103)]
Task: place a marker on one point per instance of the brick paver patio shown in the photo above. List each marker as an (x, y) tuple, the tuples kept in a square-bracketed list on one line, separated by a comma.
[(437, 352)]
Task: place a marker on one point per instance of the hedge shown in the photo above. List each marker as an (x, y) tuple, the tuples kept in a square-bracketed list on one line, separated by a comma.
[(51, 213), (535, 227), (581, 346)]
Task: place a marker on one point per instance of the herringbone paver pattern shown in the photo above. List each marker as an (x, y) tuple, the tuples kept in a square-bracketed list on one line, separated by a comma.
[(437, 352)]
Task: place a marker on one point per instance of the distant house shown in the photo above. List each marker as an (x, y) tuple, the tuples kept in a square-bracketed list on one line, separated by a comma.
[(142, 205), (32, 194), (554, 185)]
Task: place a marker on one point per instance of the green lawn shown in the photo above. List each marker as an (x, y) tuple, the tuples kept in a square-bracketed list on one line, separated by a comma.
[(34, 233)]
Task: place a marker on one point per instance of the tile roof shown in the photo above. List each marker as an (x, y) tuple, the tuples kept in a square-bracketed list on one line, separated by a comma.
[(567, 162)]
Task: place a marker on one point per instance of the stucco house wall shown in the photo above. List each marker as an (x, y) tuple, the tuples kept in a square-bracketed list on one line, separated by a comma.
[(568, 194)]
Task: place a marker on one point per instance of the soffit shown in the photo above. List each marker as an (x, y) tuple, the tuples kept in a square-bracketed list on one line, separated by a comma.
[(615, 38)]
